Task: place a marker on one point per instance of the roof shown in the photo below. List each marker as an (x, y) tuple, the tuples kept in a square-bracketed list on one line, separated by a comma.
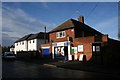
[(66, 25), (23, 38), (12, 46), (39, 35), (71, 23)]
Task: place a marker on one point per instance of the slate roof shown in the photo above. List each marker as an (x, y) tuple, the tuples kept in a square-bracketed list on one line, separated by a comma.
[(39, 35), (23, 38), (71, 23)]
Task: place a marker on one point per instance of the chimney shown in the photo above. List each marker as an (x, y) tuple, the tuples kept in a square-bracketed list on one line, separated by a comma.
[(81, 19)]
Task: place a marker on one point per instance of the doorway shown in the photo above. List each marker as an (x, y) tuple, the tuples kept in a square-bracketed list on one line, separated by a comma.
[(66, 52)]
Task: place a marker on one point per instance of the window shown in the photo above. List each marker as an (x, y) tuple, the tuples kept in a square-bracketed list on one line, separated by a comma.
[(60, 34), (97, 48), (30, 41), (22, 43), (33, 41)]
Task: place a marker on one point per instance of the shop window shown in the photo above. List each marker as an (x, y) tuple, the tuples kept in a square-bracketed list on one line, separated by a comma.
[(59, 51)]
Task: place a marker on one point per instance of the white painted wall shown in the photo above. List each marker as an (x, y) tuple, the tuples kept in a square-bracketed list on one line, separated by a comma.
[(69, 55), (36, 45), (22, 46), (12, 49), (27, 46), (32, 45)]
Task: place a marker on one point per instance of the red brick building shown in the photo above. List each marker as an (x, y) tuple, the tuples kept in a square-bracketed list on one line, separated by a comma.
[(75, 39)]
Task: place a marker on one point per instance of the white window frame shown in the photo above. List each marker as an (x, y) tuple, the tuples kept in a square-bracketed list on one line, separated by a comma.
[(97, 48), (59, 36)]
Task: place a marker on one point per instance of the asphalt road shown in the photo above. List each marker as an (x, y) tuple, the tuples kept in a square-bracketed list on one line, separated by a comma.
[(22, 69)]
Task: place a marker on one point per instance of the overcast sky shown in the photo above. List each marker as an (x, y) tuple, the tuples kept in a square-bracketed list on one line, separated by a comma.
[(22, 18)]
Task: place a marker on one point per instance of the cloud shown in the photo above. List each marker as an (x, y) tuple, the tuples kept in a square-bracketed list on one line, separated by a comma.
[(109, 26), (45, 5), (7, 40), (17, 23)]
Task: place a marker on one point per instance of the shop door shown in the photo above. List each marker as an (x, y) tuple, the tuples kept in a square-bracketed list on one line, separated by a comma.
[(66, 51)]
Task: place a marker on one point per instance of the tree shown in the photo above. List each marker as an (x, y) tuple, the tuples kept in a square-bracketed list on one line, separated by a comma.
[(5, 49)]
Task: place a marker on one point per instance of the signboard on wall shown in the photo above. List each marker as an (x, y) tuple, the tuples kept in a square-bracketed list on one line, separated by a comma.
[(80, 48), (75, 49), (72, 50)]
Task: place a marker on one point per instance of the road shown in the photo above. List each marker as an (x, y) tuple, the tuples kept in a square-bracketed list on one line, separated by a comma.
[(22, 69)]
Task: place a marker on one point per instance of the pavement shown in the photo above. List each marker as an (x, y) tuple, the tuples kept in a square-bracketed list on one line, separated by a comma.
[(87, 66), (78, 65)]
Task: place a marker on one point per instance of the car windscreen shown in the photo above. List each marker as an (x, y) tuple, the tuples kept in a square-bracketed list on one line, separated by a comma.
[(10, 55)]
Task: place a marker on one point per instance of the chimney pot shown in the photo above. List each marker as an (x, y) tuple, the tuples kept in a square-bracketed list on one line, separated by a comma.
[(81, 19)]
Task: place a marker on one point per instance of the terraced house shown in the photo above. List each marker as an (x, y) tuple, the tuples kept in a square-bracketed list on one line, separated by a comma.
[(30, 43), (76, 40)]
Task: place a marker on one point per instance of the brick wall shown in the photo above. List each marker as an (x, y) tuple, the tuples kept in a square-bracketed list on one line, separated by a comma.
[(69, 32), (87, 45)]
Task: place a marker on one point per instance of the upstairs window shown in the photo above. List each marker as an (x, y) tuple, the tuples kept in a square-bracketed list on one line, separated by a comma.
[(60, 34), (22, 43), (33, 41)]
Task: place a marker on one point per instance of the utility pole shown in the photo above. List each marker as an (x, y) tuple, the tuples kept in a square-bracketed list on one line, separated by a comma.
[(45, 34)]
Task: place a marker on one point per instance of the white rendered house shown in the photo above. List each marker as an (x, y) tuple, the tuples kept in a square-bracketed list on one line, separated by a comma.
[(31, 42), (12, 48), (21, 44), (35, 40)]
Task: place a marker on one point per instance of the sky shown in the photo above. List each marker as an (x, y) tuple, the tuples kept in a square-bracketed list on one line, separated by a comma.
[(22, 18)]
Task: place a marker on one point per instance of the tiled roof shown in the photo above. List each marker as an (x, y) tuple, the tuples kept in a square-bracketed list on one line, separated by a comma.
[(23, 38), (71, 23), (39, 35), (66, 25)]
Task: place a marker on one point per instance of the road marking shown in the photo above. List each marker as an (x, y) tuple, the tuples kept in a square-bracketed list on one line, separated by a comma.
[(49, 65)]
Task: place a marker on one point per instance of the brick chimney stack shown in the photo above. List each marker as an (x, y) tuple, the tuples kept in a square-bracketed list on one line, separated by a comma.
[(81, 19)]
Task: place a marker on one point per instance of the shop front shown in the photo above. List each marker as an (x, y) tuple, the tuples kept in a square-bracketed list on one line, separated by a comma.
[(61, 50)]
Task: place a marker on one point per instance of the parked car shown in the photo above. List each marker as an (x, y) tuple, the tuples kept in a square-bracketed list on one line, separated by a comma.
[(9, 55)]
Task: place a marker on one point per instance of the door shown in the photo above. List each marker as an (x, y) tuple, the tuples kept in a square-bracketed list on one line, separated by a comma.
[(45, 52), (97, 56), (66, 52)]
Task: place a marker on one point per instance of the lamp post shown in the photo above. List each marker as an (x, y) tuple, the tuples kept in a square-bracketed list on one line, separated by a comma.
[(45, 34)]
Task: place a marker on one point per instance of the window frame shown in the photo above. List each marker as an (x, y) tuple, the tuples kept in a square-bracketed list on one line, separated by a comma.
[(61, 34)]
